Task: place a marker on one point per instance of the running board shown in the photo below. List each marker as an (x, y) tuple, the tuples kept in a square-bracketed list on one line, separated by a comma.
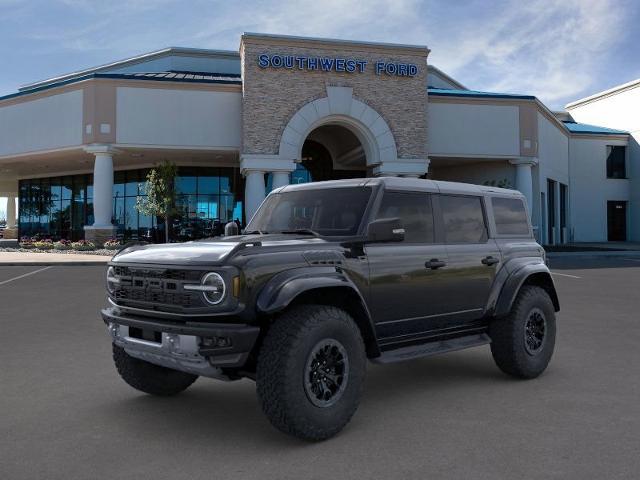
[(432, 348)]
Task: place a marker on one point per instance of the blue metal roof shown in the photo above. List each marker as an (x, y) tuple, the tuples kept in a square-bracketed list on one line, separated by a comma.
[(187, 77), (575, 127), (444, 92)]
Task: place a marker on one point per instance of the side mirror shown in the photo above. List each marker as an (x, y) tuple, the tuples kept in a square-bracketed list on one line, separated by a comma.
[(385, 230)]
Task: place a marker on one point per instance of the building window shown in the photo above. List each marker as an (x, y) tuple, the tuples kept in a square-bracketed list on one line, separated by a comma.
[(463, 219), (60, 207), (616, 161)]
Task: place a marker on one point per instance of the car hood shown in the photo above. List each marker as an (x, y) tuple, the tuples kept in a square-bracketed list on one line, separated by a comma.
[(207, 252)]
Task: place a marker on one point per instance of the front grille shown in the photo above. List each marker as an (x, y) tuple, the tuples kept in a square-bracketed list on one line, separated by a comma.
[(157, 287), (150, 296)]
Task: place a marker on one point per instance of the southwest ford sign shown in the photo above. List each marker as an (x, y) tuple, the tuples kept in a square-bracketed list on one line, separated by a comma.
[(331, 64)]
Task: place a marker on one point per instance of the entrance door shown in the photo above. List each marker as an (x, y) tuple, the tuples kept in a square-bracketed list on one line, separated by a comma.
[(551, 212), (617, 221)]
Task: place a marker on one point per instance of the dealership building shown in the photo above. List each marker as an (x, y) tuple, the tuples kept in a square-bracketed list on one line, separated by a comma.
[(75, 149)]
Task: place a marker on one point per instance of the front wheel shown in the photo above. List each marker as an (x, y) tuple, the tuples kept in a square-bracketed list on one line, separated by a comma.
[(311, 371), (522, 343)]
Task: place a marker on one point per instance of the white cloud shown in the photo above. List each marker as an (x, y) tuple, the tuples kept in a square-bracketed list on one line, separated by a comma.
[(549, 48), (554, 49)]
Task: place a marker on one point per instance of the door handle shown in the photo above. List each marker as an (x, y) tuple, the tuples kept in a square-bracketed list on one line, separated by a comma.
[(488, 261), (434, 264)]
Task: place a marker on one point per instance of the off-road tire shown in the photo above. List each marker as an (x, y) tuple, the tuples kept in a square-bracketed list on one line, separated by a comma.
[(150, 378), (508, 344), (283, 362)]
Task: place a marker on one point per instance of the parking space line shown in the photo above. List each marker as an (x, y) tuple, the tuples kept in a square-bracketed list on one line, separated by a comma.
[(25, 275), (565, 275)]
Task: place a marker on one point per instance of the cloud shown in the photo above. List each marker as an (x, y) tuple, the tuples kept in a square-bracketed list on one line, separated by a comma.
[(548, 48), (558, 50)]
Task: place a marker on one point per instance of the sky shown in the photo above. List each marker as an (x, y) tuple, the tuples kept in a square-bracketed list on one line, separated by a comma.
[(558, 50)]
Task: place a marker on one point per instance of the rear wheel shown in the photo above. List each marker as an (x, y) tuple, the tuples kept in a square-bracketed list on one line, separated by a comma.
[(522, 343), (150, 378), (311, 371)]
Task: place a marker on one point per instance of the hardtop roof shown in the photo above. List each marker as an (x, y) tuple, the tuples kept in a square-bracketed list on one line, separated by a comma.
[(410, 184)]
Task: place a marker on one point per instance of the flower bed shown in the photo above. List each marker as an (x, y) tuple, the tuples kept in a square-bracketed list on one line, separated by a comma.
[(112, 244), (83, 245)]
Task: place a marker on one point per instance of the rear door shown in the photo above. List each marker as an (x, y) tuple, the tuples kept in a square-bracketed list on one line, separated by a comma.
[(473, 258), (405, 276)]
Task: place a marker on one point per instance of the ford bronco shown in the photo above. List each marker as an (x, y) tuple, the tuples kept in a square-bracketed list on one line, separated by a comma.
[(327, 276)]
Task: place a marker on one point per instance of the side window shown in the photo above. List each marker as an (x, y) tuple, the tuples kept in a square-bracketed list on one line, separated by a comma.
[(463, 219), (510, 216), (414, 210), (616, 161)]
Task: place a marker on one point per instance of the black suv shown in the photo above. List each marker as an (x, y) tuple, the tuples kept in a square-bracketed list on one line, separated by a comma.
[(325, 276)]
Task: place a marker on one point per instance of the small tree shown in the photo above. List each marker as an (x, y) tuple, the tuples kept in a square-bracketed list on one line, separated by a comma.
[(160, 193)]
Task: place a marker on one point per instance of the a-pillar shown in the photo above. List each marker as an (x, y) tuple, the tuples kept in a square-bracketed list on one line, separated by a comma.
[(102, 228), (254, 167), (524, 178)]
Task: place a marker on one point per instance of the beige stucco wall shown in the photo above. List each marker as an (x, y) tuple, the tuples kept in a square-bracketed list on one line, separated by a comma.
[(50, 122), (178, 117), (272, 96), (460, 129)]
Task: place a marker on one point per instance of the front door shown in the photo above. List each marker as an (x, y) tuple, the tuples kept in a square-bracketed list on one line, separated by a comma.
[(473, 257), (617, 221), (405, 286)]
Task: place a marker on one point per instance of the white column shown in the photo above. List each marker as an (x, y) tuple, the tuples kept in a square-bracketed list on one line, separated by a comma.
[(254, 192), (11, 211), (524, 178), (253, 167), (102, 187), (280, 179)]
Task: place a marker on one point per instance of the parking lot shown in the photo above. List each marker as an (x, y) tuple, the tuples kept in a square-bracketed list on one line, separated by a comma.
[(65, 413)]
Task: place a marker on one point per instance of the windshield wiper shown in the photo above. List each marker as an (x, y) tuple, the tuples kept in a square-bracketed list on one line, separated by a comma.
[(303, 231), (255, 232)]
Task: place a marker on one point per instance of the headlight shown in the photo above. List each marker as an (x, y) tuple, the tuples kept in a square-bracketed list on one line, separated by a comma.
[(212, 287), (112, 280)]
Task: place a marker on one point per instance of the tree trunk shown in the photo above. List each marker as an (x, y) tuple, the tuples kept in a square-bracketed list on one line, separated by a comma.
[(166, 230)]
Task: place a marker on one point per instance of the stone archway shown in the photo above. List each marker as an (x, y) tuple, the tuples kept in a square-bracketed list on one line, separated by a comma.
[(340, 108)]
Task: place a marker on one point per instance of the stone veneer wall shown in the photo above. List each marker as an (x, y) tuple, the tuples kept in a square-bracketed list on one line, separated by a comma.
[(271, 96)]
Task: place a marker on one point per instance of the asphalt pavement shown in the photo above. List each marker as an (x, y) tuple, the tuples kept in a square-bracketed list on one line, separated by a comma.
[(65, 413)]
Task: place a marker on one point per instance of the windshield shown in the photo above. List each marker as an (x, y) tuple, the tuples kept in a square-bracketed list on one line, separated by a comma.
[(333, 212)]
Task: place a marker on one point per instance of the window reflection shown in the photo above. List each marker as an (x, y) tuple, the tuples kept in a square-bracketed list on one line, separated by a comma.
[(60, 207)]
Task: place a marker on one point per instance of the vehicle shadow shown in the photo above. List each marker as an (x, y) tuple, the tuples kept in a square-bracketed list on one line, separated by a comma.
[(213, 412)]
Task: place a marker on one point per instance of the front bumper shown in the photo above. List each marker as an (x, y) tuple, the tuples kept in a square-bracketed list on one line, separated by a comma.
[(193, 347)]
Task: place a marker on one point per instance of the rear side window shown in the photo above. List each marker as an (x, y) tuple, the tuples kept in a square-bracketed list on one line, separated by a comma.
[(414, 210), (463, 219), (510, 216)]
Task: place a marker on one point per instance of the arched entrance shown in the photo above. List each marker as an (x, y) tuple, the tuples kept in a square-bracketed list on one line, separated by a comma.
[(333, 152)]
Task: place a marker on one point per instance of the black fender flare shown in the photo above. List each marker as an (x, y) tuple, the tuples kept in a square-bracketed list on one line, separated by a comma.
[(284, 287), (521, 272)]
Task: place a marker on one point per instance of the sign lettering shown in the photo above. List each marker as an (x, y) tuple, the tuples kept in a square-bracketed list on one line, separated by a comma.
[(337, 64)]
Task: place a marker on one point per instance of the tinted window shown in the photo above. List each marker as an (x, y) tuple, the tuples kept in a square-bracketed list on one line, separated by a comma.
[(330, 212), (510, 216), (616, 167), (414, 210), (463, 219)]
